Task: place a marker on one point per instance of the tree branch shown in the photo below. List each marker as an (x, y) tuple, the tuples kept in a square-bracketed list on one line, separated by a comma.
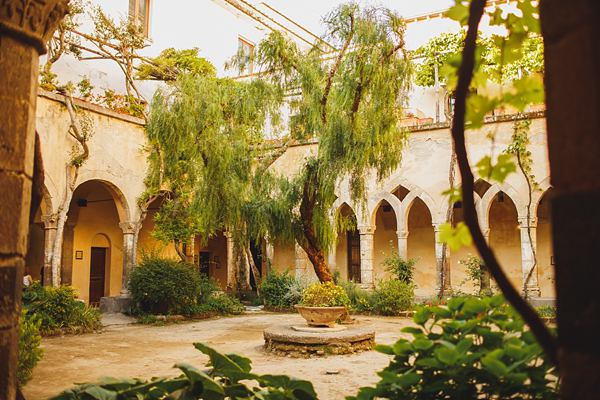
[(334, 69), (542, 334)]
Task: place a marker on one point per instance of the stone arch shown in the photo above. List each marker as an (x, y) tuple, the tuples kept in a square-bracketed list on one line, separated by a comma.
[(117, 195), (537, 195), (408, 202), (46, 204), (375, 202), (486, 202), (397, 181)]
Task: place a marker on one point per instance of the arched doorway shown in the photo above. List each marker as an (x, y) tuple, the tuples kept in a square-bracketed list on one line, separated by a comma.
[(385, 239), (348, 247), (92, 227), (544, 250), (505, 236), (421, 245)]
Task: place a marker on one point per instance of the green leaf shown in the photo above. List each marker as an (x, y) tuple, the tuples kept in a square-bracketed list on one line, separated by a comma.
[(429, 362), (402, 348), (243, 362), (474, 306), (421, 316), (455, 237), (299, 388), (459, 13), (412, 329), (195, 375), (463, 345), (447, 344), (422, 344), (446, 355), (99, 393), (408, 380), (494, 365), (518, 378), (384, 348), (440, 312), (456, 303), (497, 300)]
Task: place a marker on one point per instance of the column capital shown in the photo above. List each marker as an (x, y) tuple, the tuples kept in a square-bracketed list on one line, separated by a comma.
[(128, 227), (523, 222), (403, 234), (366, 229), (50, 221), (32, 22)]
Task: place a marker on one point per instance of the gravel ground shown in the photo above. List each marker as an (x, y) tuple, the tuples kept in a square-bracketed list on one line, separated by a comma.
[(144, 351)]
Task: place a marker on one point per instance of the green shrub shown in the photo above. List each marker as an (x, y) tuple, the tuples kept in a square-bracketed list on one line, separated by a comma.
[(393, 296), (324, 294), (29, 347), (477, 272), (546, 311), (360, 299), (274, 288), (161, 285), (227, 378), (223, 304), (58, 307), (399, 268), (469, 350)]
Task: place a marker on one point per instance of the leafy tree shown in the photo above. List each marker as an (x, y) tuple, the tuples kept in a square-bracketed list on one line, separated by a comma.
[(350, 101), (171, 63), (203, 130)]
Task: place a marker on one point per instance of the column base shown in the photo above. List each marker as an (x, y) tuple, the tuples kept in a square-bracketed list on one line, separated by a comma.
[(116, 304), (532, 292)]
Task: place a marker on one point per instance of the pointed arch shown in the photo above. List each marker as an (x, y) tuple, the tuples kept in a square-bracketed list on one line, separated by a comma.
[(375, 202), (408, 202), (486, 202), (537, 195)]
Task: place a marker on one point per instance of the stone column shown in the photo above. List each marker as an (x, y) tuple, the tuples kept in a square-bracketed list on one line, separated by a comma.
[(230, 262), (439, 258), (301, 262), (331, 255), (66, 263), (270, 257), (128, 228), (366, 256), (402, 244), (24, 29), (49, 236), (528, 250)]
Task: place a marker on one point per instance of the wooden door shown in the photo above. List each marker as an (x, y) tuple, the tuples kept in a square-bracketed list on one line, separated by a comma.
[(204, 259), (353, 256), (97, 274)]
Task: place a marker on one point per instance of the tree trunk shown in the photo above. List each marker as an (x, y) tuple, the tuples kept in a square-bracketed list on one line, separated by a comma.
[(309, 242), (61, 220), (572, 58), (253, 268)]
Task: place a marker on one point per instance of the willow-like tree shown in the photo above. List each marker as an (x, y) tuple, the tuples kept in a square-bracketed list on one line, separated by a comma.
[(351, 101), (203, 131)]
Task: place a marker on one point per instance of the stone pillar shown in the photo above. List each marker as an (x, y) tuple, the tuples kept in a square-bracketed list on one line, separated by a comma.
[(331, 256), (439, 258), (270, 257), (66, 262), (528, 250), (230, 262), (24, 29), (366, 256), (49, 236), (301, 262), (128, 228), (402, 244)]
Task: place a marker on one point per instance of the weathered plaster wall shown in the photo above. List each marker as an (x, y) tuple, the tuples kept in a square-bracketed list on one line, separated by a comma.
[(216, 246), (283, 257), (421, 242), (505, 239)]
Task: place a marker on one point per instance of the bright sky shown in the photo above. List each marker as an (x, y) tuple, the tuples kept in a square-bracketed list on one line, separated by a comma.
[(309, 14)]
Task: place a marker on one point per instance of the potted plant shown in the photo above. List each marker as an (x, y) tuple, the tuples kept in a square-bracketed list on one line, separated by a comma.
[(322, 304)]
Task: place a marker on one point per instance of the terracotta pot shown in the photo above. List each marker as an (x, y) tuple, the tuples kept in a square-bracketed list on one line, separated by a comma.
[(321, 316)]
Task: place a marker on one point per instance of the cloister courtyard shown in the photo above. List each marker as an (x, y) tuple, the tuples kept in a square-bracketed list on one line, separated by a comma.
[(122, 349)]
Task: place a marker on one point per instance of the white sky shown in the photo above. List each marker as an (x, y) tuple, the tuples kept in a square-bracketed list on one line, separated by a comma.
[(310, 13)]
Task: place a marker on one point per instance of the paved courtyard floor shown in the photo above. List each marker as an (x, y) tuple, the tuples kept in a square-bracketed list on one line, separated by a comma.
[(143, 351)]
